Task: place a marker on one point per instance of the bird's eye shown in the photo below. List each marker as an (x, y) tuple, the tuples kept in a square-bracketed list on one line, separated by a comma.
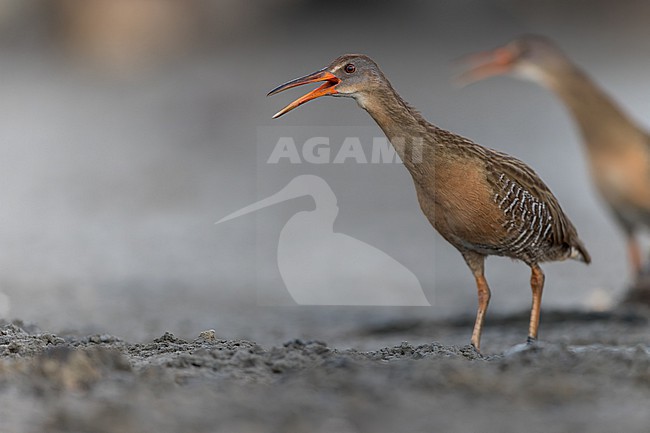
[(350, 68)]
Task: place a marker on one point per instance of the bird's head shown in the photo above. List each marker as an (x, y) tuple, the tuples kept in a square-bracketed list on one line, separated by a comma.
[(353, 75), (530, 57)]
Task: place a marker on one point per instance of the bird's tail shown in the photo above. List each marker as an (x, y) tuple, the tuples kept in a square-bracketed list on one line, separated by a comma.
[(579, 252)]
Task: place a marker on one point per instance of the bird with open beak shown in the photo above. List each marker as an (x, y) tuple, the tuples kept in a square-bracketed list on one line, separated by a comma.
[(357, 80), (481, 201)]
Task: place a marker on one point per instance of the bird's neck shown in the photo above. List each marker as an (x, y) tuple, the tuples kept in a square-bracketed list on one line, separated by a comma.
[(406, 129), (602, 123)]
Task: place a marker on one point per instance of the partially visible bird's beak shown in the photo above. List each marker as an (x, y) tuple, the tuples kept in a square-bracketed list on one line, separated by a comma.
[(286, 193), (479, 66), (328, 88)]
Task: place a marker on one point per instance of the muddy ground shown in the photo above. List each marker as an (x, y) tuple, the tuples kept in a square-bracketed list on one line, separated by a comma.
[(589, 373)]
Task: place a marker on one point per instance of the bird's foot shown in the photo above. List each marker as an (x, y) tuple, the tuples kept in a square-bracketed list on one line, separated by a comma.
[(531, 345), (639, 293), (471, 352), (643, 272)]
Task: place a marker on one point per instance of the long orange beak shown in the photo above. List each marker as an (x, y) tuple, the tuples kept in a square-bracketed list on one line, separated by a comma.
[(327, 88), (486, 64)]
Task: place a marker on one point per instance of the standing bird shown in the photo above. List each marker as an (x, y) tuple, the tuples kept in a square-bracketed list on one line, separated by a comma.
[(617, 149), (481, 201)]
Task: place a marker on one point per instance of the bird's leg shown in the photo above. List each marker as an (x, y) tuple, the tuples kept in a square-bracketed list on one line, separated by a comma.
[(483, 301), (475, 262), (634, 253), (537, 286)]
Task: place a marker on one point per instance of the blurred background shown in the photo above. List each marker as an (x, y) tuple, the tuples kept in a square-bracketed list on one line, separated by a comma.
[(128, 127)]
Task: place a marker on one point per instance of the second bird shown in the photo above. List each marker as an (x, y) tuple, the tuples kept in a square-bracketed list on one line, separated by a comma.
[(481, 201), (618, 150)]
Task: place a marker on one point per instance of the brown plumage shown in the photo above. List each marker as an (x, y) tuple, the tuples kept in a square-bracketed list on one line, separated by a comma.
[(618, 151), (481, 201)]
